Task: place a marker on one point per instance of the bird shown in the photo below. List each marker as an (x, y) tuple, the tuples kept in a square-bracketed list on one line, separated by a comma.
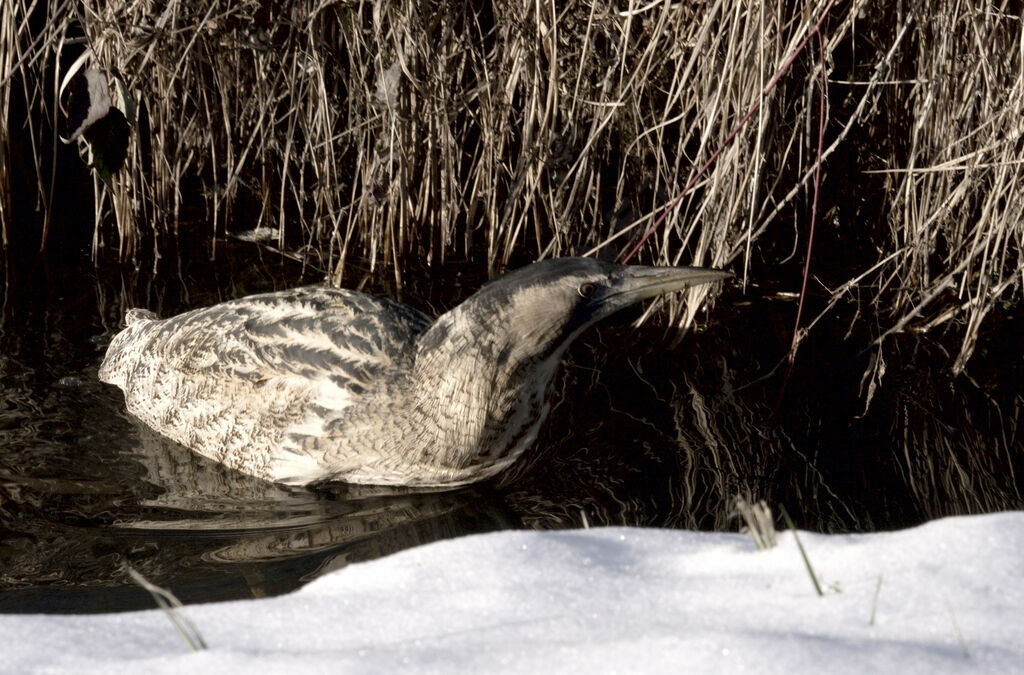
[(316, 384)]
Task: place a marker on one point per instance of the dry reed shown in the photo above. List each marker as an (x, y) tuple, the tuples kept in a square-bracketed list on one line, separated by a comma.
[(394, 133)]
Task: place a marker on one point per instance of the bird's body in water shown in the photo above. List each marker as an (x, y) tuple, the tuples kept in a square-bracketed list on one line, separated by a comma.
[(318, 384)]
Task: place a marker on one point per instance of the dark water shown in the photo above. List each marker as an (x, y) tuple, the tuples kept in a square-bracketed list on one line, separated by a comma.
[(644, 432)]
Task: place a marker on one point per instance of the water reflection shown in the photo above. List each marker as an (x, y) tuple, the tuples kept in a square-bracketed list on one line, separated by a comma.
[(643, 440), (267, 522)]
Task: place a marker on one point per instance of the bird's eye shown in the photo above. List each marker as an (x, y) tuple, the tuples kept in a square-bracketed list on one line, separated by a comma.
[(586, 290)]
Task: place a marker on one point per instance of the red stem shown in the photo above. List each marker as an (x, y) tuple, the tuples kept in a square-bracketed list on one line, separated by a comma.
[(814, 202)]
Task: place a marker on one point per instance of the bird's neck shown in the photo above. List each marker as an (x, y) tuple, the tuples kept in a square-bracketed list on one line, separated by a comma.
[(480, 390)]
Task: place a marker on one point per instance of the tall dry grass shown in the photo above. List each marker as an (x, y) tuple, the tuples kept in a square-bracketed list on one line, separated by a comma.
[(31, 37), (395, 133), (957, 195)]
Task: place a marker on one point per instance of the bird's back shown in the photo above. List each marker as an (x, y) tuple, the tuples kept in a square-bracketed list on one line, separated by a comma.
[(241, 381)]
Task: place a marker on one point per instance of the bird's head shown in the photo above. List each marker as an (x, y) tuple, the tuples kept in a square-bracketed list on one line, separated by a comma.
[(539, 309)]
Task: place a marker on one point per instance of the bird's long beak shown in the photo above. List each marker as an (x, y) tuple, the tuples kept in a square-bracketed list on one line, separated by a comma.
[(638, 283)]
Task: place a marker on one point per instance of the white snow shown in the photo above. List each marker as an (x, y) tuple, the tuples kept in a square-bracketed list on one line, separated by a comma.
[(617, 600)]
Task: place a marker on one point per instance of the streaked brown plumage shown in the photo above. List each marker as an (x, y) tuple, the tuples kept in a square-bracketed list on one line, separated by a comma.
[(317, 384)]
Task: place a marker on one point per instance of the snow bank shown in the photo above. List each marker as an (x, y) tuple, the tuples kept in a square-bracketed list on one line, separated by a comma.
[(597, 601)]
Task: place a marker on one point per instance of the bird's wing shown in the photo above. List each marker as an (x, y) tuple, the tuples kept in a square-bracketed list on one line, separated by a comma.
[(311, 332), (250, 382)]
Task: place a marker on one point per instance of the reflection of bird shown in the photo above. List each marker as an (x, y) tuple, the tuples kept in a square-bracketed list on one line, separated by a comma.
[(318, 384)]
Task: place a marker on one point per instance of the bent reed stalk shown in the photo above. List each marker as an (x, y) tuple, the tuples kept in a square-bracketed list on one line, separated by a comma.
[(400, 132)]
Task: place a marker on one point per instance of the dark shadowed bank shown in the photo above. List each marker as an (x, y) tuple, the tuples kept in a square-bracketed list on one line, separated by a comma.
[(414, 149)]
